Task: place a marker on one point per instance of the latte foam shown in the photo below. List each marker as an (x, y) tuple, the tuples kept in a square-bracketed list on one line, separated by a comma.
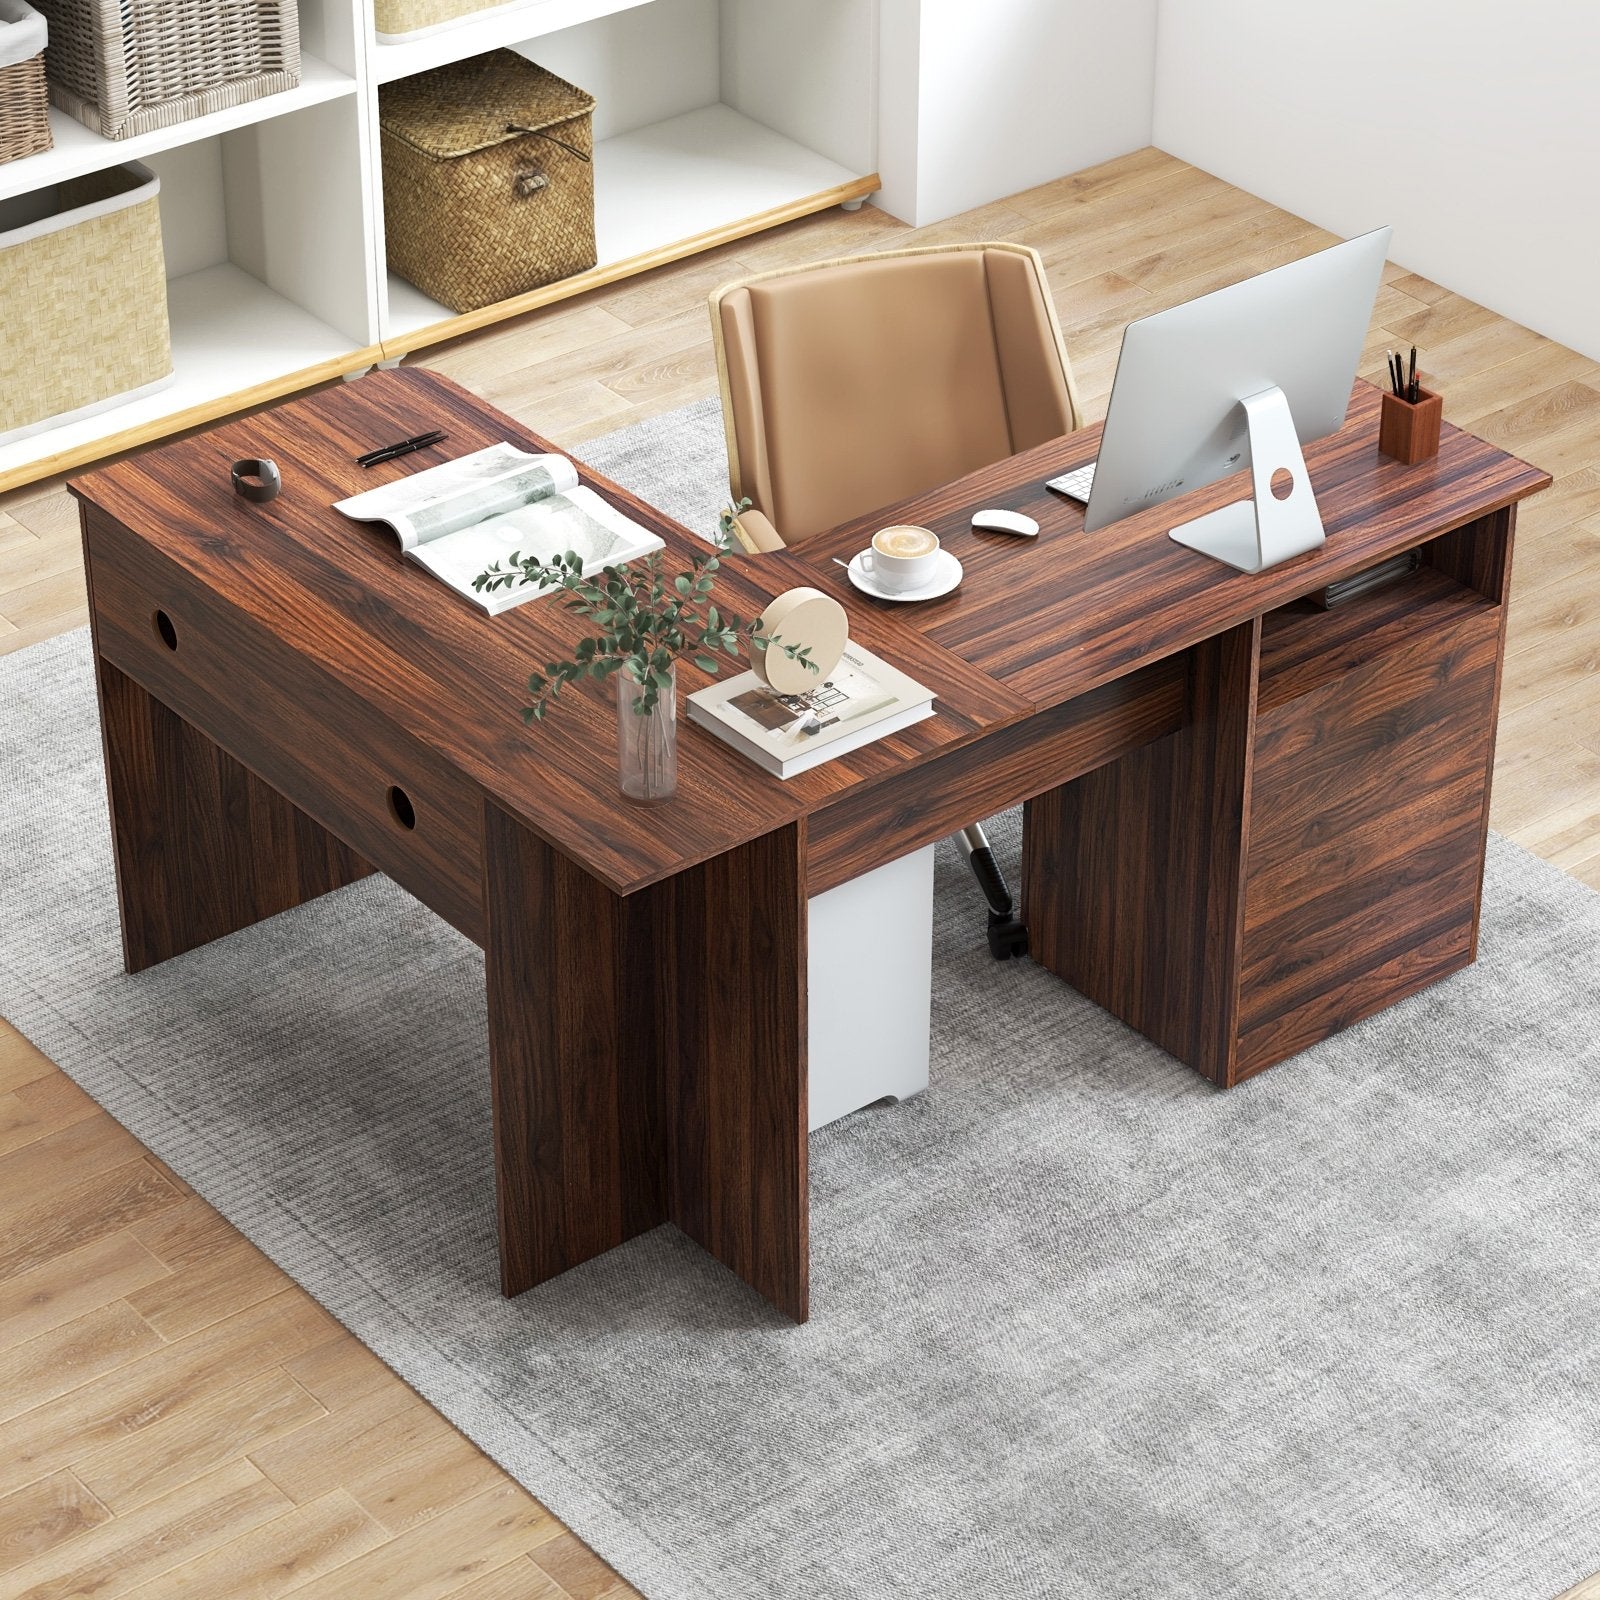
[(906, 542)]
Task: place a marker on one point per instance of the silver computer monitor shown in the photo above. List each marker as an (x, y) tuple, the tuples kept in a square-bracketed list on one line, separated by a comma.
[(1241, 377)]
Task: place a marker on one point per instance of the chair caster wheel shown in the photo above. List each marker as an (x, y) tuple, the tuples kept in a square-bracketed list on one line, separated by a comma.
[(1007, 937)]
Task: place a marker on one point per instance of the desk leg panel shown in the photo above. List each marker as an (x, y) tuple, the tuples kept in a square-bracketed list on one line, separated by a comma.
[(1480, 556), (1133, 873), (573, 1058), (736, 1096), (202, 846), (647, 1059)]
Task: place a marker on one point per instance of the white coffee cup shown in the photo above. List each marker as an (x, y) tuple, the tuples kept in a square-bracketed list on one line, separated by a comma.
[(902, 558)]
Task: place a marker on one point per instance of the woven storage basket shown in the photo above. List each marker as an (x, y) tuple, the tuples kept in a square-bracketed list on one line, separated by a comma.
[(124, 67), (488, 186), (83, 299), (394, 20), (24, 102)]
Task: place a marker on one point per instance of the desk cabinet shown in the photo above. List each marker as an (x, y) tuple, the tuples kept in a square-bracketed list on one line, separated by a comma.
[(1307, 848), (1374, 740)]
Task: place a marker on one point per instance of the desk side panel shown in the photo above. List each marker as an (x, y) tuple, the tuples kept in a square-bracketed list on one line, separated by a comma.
[(575, 1058), (1133, 873), (299, 732), (202, 846), (735, 1098), (648, 1059)]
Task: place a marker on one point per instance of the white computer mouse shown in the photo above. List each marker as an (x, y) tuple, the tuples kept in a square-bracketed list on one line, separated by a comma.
[(997, 521)]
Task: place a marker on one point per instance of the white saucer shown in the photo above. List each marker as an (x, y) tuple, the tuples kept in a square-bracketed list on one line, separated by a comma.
[(946, 575)]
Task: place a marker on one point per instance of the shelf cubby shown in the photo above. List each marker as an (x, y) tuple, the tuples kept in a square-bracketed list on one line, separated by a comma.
[(1304, 647), (268, 284), (661, 193), (713, 119)]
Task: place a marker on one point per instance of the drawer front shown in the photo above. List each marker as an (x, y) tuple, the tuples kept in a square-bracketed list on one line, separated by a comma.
[(366, 781), (1367, 817)]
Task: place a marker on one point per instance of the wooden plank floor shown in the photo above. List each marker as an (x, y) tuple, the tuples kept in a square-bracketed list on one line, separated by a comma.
[(176, 1418)]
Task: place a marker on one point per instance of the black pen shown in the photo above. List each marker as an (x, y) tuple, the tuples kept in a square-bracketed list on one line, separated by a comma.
[(403, 447), (1413, 392), (1394, 375)]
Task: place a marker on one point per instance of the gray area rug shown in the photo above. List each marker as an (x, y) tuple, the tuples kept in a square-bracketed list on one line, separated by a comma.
[(1082, 1327)]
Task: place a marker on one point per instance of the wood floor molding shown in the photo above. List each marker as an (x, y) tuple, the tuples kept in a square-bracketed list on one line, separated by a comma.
[(178, 1419)]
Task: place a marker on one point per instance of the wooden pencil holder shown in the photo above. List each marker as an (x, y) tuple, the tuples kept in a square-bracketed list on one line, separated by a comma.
[(1408, 430)]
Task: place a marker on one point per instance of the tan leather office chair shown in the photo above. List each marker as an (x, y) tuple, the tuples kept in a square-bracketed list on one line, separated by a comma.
[(850, 384)]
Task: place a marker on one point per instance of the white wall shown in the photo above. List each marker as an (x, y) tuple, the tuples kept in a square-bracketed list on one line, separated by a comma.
[(1489, 170), (979, 100)]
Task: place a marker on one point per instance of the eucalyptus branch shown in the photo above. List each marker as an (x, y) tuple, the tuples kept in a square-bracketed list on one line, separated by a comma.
[(646, 619)]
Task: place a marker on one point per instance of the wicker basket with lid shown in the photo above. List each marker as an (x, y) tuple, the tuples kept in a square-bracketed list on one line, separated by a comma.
[(488, 183)]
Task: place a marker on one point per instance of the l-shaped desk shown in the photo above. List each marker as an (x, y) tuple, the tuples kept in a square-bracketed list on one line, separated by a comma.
[(1249, 821)]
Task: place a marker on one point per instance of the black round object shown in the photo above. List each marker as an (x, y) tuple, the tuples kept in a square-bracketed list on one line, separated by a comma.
[(257, 480)]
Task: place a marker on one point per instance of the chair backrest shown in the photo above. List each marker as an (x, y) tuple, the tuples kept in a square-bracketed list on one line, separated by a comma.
[(850, 384)]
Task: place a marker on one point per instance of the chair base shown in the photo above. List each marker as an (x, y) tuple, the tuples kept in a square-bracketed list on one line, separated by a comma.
[(1007, 936)]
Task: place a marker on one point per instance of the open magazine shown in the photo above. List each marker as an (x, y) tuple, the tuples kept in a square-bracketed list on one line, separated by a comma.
[(460, 518), (862, 699)]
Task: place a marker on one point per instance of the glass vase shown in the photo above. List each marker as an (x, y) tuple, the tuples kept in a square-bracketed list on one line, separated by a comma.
[(647, 742)]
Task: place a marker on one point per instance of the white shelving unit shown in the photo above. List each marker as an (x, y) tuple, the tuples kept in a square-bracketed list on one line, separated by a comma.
[(715, 118)]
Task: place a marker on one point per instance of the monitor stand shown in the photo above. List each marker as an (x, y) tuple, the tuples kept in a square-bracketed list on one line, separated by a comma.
[(1258, 533)]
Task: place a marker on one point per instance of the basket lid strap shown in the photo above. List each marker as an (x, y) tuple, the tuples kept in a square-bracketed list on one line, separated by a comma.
[(541, 133)]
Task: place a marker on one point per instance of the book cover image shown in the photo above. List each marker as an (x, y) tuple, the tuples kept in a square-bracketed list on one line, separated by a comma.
[(790, 722), (829, 703), (862, 699)]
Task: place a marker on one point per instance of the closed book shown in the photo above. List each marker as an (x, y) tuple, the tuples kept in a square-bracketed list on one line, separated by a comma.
[(861, 700)]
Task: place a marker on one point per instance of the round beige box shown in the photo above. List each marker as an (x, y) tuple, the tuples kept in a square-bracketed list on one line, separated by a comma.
[(801, 617)]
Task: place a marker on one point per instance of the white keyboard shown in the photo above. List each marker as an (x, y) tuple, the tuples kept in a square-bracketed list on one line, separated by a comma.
[(1075, 485)]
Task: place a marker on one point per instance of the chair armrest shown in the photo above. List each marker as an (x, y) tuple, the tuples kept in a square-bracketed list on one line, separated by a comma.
[(755, 532)]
